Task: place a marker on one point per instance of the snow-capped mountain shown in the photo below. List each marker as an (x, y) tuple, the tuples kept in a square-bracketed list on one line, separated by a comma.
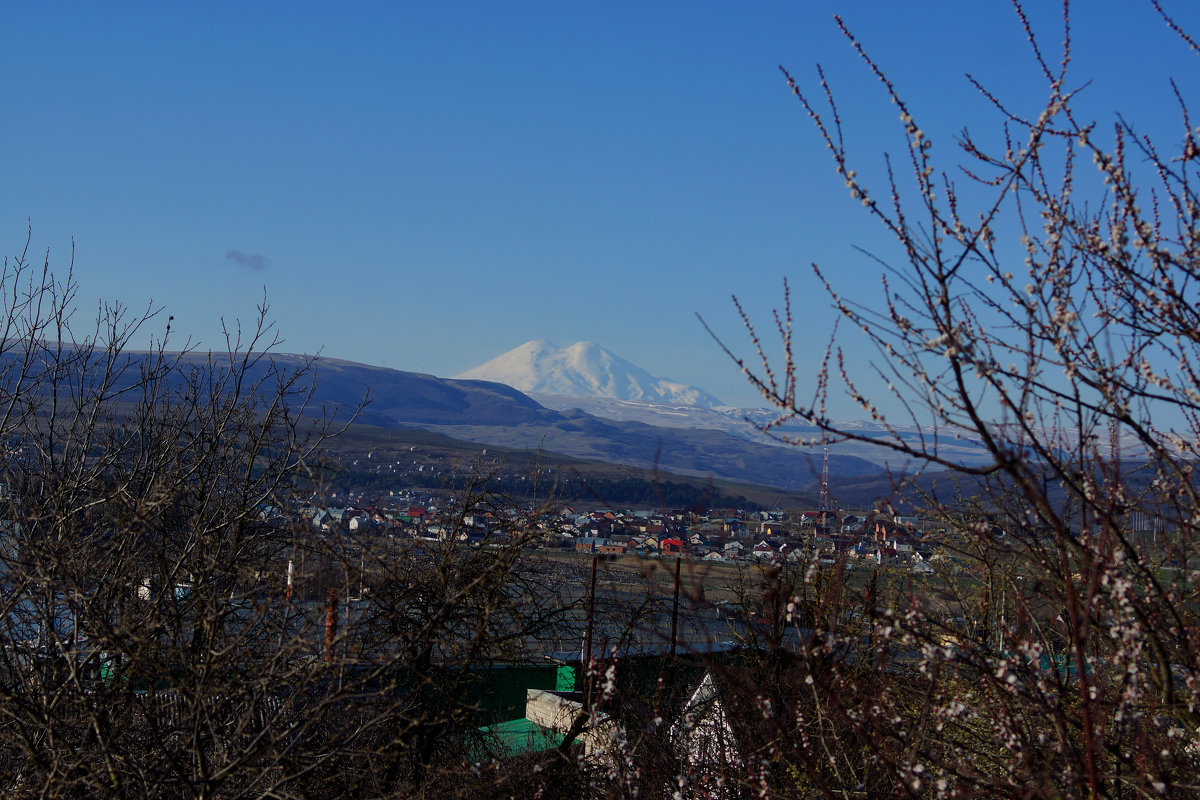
[(591, 379), (585, 369)]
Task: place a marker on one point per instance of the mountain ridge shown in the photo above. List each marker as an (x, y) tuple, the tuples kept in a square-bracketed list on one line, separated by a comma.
[(480, 411)]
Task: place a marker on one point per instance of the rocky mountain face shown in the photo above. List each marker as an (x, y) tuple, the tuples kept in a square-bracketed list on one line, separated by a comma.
[(585, 369)]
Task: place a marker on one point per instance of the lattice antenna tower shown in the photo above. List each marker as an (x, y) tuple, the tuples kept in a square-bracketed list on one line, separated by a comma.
[(825, 505)]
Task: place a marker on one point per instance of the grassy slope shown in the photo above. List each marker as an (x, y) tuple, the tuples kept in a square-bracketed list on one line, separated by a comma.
[(459, 457)]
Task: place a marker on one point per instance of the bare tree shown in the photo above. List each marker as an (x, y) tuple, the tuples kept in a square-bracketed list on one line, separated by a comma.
[(151, 644)]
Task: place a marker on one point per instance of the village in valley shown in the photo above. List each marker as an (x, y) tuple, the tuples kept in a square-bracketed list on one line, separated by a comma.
[(717, 535)]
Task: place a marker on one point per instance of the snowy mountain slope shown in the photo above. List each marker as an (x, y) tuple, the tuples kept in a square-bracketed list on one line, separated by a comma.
[(585, 369)]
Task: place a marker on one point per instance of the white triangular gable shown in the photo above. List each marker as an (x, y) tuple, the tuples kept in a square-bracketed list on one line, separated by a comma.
[(703, 737)]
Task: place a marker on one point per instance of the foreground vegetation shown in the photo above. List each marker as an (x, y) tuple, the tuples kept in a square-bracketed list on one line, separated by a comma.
[(166, 630), (1042, 303)]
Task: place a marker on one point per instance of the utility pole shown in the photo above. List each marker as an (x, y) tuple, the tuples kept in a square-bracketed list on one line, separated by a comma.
[(675, 611), (587, 652)]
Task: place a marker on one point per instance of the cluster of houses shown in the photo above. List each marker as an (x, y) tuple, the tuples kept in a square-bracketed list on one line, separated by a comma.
[(723, 535), (767, 536)]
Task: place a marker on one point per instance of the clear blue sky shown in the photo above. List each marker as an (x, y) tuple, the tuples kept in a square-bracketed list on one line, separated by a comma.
[(428, 185)]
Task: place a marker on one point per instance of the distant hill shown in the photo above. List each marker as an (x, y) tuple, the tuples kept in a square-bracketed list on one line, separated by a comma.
[(496, 414), (585, 369), (748, 423), (385, 459)]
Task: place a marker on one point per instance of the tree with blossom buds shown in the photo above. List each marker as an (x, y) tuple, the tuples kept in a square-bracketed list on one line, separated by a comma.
[(1049, 313)]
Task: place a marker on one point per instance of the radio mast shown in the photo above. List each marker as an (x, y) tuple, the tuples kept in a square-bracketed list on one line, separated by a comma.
[(826, 504)]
